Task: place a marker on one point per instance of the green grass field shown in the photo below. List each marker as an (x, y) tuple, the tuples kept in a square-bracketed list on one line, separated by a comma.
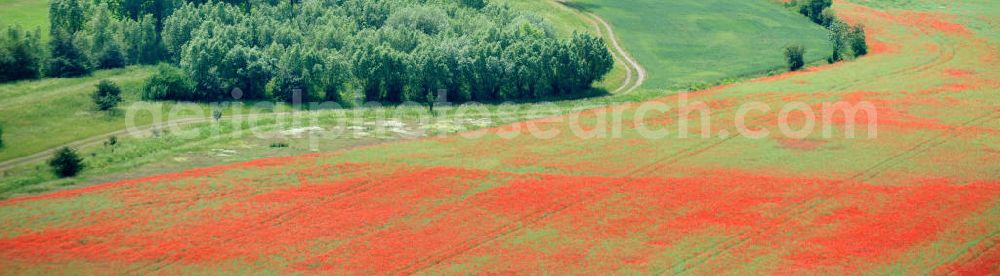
[(60, 110), (690, 41), (30, 14)]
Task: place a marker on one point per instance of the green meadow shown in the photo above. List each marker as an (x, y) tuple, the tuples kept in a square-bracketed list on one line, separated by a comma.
[(30, 14), (682, 42)]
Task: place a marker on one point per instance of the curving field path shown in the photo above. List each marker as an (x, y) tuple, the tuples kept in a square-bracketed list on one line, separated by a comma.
[(633, 68), (920, 197)]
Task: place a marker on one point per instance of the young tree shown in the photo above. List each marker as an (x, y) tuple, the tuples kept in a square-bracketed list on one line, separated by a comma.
[(217, 114), (107, 96), (66, 163), (1, 136), (66, 16), (137, 9), (330, 79), (144, 42), (102, 39), (794, 56), (178, 28), (837, 36), (593, 58), (204, 61), (431, 74), (254, 68)]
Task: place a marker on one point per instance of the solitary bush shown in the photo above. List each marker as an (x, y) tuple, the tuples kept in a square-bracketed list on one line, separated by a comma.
[(856, 39), (112, 141), (794, 56), (107, 96), (66, 163), (170, 83)]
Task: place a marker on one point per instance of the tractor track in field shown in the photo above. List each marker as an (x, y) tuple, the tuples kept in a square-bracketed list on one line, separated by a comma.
[(279, 218), (275, 219), (990, 242), (529, 220), (876, 170), (866, 175), (632, 65), (615, 184), (944, 56)]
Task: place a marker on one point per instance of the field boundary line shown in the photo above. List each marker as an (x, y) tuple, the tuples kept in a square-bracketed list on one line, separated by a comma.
[(991, 242)]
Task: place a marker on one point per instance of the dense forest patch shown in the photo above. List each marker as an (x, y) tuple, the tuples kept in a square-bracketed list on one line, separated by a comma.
[(337, 50)]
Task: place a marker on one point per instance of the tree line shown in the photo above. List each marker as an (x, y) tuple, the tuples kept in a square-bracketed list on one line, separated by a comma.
[(848, 41), (337, 50)]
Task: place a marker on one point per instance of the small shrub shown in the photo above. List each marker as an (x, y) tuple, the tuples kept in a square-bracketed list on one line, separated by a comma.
[(279, 145), (217, 114), (794, 56), (66, 163), (107, 96), (1, 136), (112, 141), (170, 83)]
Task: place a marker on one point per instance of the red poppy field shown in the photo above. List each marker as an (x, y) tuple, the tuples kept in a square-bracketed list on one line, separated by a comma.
[(923, 197)]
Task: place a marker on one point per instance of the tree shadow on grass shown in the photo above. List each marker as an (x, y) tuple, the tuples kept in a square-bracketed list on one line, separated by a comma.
[(584, 7)]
